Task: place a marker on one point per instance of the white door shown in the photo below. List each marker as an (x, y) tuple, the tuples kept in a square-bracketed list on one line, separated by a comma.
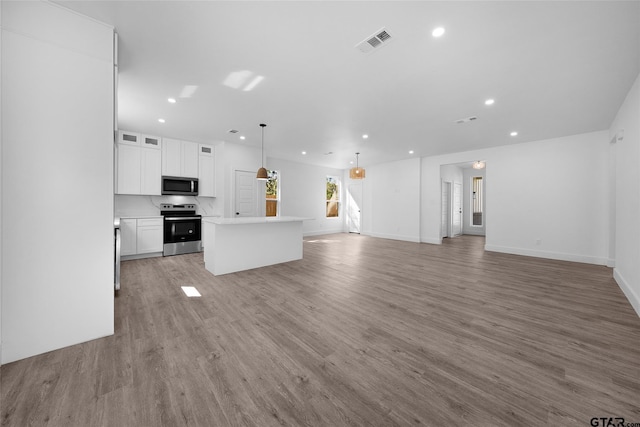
[(445, 220), (245, 192), (456, 210), (354, 206)]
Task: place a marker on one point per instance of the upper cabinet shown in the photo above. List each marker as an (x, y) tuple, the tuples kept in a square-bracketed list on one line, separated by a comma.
[(179, 158), (207, 170), (142, 160), (138, 164)]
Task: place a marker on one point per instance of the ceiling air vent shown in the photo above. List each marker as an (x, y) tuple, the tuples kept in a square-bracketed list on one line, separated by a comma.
[(467, 120), (374, 41)]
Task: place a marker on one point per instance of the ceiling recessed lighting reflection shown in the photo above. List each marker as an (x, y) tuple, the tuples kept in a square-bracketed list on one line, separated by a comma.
[(245, 80), (489, 102), (410, 151), (304, 152), (514, 133), (188, 91), (351, 162), (437, 32), (161, 120), (365, 136), (171, 100), (243, 137), (253, 83)]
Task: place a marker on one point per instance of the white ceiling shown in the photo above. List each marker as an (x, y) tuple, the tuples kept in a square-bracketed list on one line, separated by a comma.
[(553, 68)]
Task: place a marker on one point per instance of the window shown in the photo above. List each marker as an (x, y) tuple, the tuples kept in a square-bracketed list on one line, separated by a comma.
[(476, 185), (333, 197), (272, 193)]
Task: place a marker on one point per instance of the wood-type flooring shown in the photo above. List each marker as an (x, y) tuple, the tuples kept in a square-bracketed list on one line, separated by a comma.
[(361, 332)]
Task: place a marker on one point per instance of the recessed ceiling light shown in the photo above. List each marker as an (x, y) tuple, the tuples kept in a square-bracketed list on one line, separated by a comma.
[(437, 32), (171, 100), (304, 152), (514, 133), (410, 151), (351, 162), (242, 137), (489, 102), (365, 136), (161, 120)]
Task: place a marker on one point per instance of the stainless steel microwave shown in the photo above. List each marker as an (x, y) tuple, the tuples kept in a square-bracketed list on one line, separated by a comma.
[(176, 185)]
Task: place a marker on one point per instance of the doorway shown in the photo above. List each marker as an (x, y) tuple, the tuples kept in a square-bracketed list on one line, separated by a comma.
[(354, 210), (245, 194), (463, 201)]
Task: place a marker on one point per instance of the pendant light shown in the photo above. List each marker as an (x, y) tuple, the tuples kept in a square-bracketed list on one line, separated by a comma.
[(262, 172), (478, 165), (357, 172)]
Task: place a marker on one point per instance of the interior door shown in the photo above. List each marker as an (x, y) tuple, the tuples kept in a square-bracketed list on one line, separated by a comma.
[(456, 210), (354, 206), (245, 194)]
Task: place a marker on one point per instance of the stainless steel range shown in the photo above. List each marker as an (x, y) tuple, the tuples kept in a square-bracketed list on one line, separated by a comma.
[(182, 229)]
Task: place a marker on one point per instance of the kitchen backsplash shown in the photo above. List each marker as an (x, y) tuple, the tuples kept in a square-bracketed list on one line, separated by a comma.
[(132, 206)]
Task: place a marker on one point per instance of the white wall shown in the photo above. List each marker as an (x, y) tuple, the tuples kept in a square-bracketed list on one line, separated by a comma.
[(468, 175), (554, 190), (303, 194), (550, 199), (391, 205), (57, 152), (0, 187), (627, 197)]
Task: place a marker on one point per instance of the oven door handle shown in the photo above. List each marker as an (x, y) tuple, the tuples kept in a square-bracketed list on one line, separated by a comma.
[(179, 218)]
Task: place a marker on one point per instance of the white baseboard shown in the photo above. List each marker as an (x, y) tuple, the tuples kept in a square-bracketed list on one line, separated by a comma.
[(549, 255), (432, 240), (321, 232), (395, 237), (633, 297)]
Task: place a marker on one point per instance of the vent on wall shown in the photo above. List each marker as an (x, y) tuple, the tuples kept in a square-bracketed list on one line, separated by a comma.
[(374, 41)]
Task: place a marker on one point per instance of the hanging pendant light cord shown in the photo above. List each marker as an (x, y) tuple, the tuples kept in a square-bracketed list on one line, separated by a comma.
[(262, 125)]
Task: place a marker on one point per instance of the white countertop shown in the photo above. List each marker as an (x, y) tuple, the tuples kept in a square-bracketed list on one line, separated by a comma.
[(252, 220), (139, 216)]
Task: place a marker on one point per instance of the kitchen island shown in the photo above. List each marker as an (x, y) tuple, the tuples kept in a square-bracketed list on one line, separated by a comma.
[(237, 244)]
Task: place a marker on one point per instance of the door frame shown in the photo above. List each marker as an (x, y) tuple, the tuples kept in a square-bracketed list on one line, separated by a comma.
[(445, 211), (452, 208)]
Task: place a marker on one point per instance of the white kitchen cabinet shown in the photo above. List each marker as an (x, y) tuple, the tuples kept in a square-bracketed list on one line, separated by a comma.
[(128, 236), (149, 235), (140, 236), (206, 170), (128, 165), (150, 171), (139, 163), (179, 158)]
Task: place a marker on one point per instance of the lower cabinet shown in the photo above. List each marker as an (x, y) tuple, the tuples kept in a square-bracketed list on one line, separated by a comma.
[(128, 236), (141, 236)]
